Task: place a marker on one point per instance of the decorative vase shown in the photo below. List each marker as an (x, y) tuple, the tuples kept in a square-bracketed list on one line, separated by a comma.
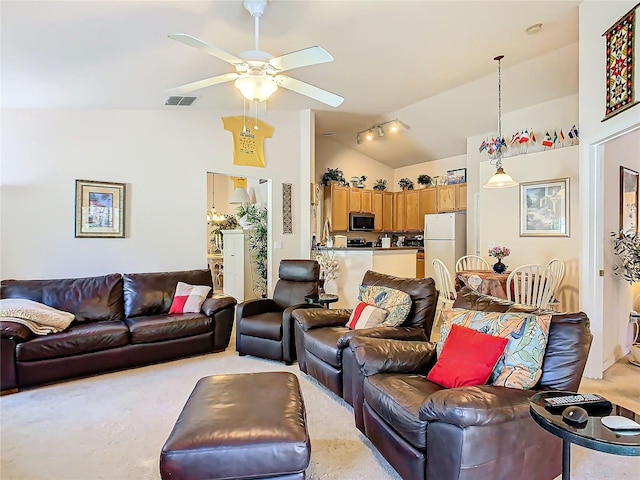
[(499, 267), (320, 286)]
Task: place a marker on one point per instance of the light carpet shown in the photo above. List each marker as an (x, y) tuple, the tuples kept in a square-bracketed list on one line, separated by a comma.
[(113, 426)]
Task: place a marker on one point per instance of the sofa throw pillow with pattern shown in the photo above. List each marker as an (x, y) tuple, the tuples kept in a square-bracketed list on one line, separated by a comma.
[(366, 316), (468, 357), (521, 365), (188, 298), (396, 302)]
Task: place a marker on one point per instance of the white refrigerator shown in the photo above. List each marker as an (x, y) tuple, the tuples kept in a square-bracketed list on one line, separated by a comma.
[(445, 238)]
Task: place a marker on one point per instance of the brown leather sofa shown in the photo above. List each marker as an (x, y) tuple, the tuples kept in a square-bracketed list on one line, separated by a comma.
[(321, 335), (121, 321), (482, 432)]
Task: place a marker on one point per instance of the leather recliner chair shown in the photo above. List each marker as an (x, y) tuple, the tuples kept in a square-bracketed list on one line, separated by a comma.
[(264, 325), (471, 433), (322, 337)]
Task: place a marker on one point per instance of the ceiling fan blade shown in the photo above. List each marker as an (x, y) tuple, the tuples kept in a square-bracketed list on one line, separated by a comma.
[(301, 58), (216, 52), (207, 82), (309, 90)]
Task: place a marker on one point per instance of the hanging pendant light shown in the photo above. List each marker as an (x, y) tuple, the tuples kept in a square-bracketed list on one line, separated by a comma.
[(500, 179)]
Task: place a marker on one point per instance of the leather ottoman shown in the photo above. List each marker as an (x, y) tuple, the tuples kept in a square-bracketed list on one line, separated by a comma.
[(240, 426)]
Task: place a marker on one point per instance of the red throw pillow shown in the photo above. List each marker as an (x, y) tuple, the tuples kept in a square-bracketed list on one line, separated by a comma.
[(467, 358), (188, 298)]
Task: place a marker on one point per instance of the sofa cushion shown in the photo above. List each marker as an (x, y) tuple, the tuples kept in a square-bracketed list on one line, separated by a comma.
[(396, 302), (90, 299), (396, 398), (77, 339), (323, 343), (158, 328), (468, 357), (366, 316), (152, 293), (263, 325), (188, 298), (527, 335)]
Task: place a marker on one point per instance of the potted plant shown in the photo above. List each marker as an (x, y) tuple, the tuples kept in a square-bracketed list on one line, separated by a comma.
[(381, 184), (361, 181), (626, 246), (424, 180), (333, 175), (405, 184), (255, 217)]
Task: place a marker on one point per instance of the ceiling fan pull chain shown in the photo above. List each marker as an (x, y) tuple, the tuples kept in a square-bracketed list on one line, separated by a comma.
[(255, 127)]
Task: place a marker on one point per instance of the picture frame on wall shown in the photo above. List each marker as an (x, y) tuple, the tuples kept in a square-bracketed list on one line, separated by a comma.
[(628, 200), (456, 176), (544, 208), (100, 209)]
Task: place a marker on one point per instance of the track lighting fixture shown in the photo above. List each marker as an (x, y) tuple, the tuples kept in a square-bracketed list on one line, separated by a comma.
[(394, 126)]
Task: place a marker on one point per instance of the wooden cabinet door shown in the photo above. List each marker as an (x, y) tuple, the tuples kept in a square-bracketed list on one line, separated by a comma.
[(366, 201), (427, 203), (399, 212), (420, 265), (446, 198), (387, 211), (412, 211), (461, 197), (339, 208), (378, 210), (355, 200)]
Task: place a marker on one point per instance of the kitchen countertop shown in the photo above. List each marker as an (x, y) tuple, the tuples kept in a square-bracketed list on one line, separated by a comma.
[(372, 248)]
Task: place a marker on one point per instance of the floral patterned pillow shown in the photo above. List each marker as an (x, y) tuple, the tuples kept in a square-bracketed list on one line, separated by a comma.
[(521, 365), (396, 302)]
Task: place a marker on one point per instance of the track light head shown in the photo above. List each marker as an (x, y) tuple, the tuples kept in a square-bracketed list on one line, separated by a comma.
[(380, 131), (394, 127), (369, 135), (359, 139)]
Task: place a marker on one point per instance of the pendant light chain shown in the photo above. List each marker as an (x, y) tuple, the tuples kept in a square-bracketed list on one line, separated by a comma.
[(499, 142)]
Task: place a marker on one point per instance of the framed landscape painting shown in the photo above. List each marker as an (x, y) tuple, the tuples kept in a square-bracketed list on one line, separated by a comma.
[(628, 200), (544, 208), (100, 208)]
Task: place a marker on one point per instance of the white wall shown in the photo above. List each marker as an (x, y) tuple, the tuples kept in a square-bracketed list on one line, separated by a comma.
[(435, 168), (163, 157), (595, 18)]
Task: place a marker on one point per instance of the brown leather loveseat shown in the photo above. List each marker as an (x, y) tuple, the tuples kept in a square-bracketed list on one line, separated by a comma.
[(469, 433), (120, 321)]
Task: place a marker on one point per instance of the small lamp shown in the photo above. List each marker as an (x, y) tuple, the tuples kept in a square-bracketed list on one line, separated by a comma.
[(240, 195)]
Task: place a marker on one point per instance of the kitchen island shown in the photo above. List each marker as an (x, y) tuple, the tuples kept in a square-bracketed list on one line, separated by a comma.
[(354, 262)]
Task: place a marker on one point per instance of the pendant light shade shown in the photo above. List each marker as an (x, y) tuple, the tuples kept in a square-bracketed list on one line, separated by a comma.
[(500, 179)]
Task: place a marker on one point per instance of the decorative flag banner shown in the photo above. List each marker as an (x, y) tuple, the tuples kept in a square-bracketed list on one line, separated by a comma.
[(248, 140), (619, 69), (532, 137), (561, 137)]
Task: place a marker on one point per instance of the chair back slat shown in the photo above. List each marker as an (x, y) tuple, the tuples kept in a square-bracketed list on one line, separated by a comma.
[(531, 285), (444, 282), (472, 262)]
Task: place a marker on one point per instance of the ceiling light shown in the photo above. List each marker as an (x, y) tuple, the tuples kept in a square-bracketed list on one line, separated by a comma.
[(369, 135), (500, 179), (533, 29), (256, 88)]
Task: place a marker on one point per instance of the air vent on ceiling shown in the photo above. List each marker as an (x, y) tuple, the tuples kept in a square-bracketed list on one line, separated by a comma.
[(182, 101)]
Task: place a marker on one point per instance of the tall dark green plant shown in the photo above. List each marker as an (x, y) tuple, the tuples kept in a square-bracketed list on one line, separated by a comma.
[(255, 218)]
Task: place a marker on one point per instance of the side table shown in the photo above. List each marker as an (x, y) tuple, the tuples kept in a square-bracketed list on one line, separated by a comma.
[(593, 434), (323, 299)]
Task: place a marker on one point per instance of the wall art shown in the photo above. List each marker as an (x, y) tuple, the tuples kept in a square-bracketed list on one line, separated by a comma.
[(544, 208), (456, 176), (628, 200), (287, 216), (100, 209), (620, 88)]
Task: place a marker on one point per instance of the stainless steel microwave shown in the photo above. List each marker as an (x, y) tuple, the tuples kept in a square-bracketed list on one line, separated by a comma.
[(361, 222)]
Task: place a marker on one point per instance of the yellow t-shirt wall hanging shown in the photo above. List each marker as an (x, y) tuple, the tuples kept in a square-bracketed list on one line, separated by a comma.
[(248, 142)]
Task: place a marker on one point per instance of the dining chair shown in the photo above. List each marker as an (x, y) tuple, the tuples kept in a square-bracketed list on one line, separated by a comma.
[(447, 294), (531, 285), (472, 262), (558, 268)]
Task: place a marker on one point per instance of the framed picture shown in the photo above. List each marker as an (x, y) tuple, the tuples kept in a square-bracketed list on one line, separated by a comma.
[(628, 200), (100, 208), (456, 176), (544, 208)]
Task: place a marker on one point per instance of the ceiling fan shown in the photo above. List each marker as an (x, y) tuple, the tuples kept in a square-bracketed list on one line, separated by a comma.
[(258, 74)]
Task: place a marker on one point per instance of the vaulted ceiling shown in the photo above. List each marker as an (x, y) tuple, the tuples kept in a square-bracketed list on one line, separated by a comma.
[(427, 63)]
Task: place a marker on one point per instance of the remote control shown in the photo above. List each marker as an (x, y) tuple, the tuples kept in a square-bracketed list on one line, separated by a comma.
[(578, 399)]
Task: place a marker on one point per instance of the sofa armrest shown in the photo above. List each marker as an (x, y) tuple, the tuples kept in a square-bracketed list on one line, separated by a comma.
[(309, 318), (216, 303), (256, 306), (392, 333), (480, 405), (15, 331), (376, 355)]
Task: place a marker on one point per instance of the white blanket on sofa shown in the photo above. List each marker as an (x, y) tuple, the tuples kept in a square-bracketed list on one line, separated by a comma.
[(39, 318)]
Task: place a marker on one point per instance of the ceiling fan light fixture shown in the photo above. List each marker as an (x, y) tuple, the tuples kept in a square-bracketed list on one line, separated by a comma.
[(256, 88)]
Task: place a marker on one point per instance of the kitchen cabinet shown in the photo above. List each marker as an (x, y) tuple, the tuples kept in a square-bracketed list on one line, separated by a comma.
[(428, 202), (399, 205), (360, 200), (387, 211), (406, 214), (420, 265), (452, 198), (378, 210), (336, 207)]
